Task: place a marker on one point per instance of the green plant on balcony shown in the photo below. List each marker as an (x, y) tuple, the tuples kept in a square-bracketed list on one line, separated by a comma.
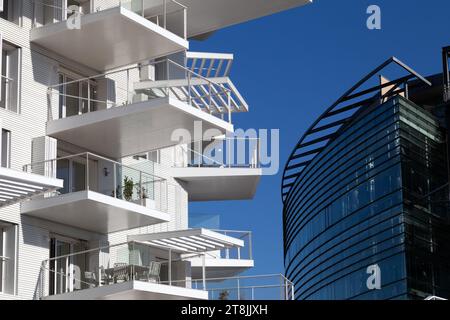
[(128, 186)]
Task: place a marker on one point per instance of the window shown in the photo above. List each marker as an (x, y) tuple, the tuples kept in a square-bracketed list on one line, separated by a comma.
[(5, 150), (9, 89), (153, 156), (8, 244), (10, 10), (76, 97)]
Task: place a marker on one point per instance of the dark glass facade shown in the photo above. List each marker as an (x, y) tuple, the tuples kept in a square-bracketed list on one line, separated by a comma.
[(377, 194)]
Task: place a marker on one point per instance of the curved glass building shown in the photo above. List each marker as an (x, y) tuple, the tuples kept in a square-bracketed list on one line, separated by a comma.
[(365, 195)]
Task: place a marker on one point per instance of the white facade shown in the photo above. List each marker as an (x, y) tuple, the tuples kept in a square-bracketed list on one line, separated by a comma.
[(118, 100)]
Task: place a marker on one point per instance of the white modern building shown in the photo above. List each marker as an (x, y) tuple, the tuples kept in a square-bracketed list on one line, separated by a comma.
[(107, 122)]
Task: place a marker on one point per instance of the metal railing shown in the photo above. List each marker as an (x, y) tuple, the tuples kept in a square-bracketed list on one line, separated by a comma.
[(168, 14), (259, 287), (228, 152), (87, 171), (244, 253), (177, 82), (108, 265)]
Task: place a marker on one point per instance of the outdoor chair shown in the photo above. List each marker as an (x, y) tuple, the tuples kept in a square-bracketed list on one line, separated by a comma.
[(153, 271), (90, 279), (120, 272)]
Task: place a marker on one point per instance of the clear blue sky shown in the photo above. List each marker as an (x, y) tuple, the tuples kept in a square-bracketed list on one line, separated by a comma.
[(291, 66)]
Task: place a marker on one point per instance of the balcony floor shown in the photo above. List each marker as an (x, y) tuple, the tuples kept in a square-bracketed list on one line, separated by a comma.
[(139, 127), (109, 39), (93, 211), (134, 290), (219, 268), (211, 15), (217, 184)]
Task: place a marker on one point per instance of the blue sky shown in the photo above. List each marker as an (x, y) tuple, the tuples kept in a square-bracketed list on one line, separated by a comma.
[(291, 66)]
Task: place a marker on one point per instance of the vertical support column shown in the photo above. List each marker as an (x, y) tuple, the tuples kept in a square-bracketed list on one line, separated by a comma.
[(165, 14), (170, 267), (115, 189), (185, 22)]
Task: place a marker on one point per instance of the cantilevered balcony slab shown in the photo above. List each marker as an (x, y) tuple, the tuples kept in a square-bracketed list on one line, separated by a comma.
[(219, 268), (216, 184), (134, 290), (127, 130), (17, 186), (109, 39), (206, 16), (93, 211)]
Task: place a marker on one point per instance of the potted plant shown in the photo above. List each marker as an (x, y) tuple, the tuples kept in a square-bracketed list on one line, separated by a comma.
[(128, 185)]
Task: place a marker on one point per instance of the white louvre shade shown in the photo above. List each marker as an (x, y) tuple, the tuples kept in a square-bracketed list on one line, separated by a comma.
[(16, 186), (190, 240)]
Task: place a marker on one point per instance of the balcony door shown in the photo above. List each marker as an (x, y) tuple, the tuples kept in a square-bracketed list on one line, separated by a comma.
[(73, 172), (76, 97), (65, 272)]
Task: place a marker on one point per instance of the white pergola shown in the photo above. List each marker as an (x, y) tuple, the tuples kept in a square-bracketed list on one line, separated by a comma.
[(16, 186), (193, 241), (189, 242)]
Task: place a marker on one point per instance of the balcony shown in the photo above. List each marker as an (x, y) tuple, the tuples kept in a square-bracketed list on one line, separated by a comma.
[(221, 169), (206, 16), (127, 122), (226, 262), (17, 186), (127, 271), (114, 36), (248, 288), (99, 195)]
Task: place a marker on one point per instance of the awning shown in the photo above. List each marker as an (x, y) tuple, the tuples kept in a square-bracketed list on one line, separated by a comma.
[(16, 186), (189, 241)]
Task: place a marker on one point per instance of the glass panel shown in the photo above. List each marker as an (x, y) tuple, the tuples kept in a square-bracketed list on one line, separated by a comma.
[(62, 172), (72, 100), (78, 176)]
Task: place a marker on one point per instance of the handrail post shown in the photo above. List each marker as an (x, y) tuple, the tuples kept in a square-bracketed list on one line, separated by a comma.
[(203, 272), (50, 102), (87, 172), (141, 193), (189, 88), (250, 250), (89, 97), (115, 187)]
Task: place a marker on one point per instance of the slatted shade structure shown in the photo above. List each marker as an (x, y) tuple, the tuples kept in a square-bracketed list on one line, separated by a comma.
[(340, 113), (16, 186), (189, 241)]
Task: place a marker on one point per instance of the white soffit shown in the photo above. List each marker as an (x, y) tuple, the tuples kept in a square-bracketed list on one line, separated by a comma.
[(109, 39), (139, 127), (206, 16), (16, 186)]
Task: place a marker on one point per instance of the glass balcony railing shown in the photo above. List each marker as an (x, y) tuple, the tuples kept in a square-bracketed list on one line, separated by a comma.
[(109, 265), (138, 261), (227, 152), (87, 171), (259, 287), (168, 14), (173, 80)]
